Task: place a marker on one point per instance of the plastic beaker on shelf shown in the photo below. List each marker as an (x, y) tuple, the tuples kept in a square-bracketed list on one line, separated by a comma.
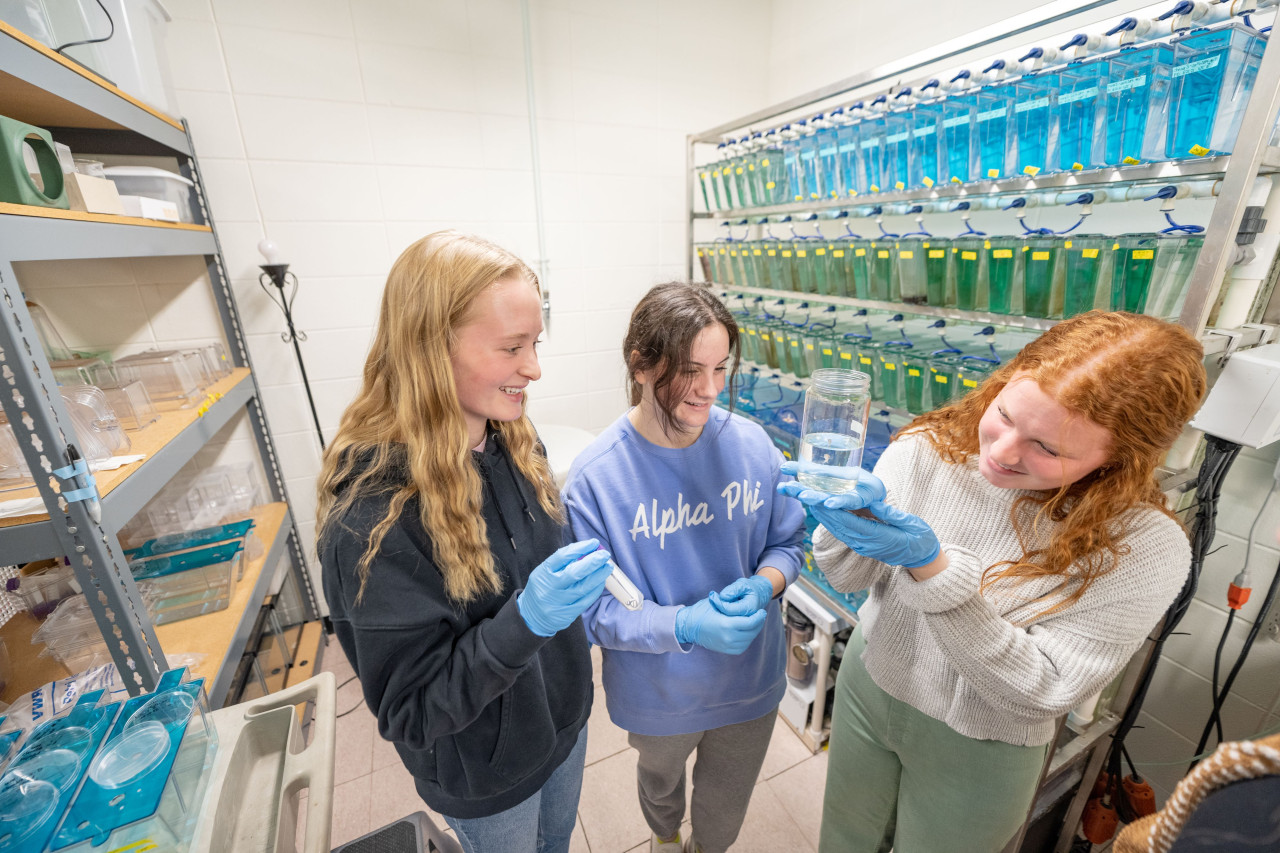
[(1004, 273), (1212, 78), (911, 255), (968, 270), (1086, 279), (836, 408), (1042, 277), (882, 282)]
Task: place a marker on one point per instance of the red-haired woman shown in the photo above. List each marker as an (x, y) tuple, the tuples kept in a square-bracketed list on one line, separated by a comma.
[(1020, 552)]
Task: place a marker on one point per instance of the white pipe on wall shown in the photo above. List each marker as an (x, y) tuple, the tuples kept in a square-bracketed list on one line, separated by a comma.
[(543, 263)]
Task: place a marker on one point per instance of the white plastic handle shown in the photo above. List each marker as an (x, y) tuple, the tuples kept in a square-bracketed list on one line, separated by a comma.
[(621, 588)]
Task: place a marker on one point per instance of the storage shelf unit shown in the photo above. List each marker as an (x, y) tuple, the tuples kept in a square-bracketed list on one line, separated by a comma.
[(42, 88), (1252, 156)]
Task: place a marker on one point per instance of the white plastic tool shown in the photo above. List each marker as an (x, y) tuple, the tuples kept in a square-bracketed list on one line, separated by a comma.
[(621, 588)]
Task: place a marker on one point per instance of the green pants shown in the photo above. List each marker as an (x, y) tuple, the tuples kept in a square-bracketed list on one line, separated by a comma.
[(898, 778)]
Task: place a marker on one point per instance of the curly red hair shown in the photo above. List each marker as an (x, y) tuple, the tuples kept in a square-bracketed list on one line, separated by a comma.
[(1139, 378)]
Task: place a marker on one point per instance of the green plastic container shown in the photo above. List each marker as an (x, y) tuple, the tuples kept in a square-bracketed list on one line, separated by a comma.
[(704, 253), (911, 257), (705, 178), (772, 170), (775, 277), (1175, 260), (1004, 273), (937, 268), (915, 381), (971, 373), (827, 273), (968, 260), (804, 274), (882, 279), (857, 275), (889, 373), (944, 380), (1086, 274), (1135, 265), (1042, 277)]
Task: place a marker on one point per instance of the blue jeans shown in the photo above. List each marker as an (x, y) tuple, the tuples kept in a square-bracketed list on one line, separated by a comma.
[(541, 824)]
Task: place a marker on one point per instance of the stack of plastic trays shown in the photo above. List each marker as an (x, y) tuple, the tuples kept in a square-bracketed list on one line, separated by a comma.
[(1212, 78), (172, 378), (41, 588), (192, 582), (38, 785), (145, 787)]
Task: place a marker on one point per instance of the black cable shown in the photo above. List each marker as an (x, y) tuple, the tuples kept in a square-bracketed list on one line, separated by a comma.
[(1267, 601), (345, 683), (1217, 661), (351, 710), (107, 37)]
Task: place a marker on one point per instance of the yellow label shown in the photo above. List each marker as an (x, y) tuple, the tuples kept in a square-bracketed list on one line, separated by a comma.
[(899, 185), (1115, 246), (700, 253), (1067, 244), (969, 256), (874, 188), (846, 355), (808, 346), (738, 171), (826, 352), (1031, 170), (798, 198), (1039, 256), (911, 371), (755, 252), (765, 163), (838, 253), (924, 245), (703, 176), (857, 253), (889, 365), (1133, 161), (773, 252), (956, 180), (1077, 167), (993, 173), (937, 253), (769, 185), (751, 331), (852, 193), (970, 383), (722, 251), (907, 253), (819, 252), (883, 253), (751, 167), (1002, 253), (864, 360), (800, 253), (1143, 254), (1089, 253), (796, 344), (1026, 248), (733, 253), (725, 170), (939, 378), (928, 182), (986, 244), (764, 336), (786, 253)]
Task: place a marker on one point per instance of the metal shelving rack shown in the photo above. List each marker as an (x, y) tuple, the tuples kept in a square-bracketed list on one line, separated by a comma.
[(1253, 156), (42, 88)]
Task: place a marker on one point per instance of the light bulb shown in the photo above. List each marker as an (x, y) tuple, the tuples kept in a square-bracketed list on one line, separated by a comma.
[(270, 251)]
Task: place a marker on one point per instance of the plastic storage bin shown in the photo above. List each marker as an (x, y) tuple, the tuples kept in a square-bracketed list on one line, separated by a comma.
[(158, 184), (134, 58), (43, 585), (171, 377)]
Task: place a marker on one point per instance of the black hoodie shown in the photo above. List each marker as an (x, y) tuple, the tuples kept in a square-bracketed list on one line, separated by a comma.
[(480, 708)]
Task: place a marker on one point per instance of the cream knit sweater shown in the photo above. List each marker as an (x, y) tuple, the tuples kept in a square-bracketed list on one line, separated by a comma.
[(981, 663)]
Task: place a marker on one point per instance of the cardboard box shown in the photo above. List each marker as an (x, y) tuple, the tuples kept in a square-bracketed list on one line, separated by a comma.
[(93, 195)]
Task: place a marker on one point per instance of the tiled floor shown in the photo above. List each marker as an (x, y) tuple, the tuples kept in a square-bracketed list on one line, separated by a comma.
[(372, 788)]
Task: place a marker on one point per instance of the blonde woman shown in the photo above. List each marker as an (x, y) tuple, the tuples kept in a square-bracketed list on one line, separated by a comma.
[(1020, 552), (439, 534)]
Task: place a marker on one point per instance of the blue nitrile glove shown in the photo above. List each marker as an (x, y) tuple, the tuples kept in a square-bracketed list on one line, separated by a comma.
[(562, 586), (702, 624), (744, 596), (870, 488)]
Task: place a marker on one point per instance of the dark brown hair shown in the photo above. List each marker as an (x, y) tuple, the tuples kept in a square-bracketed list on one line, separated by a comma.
[(660, 337)]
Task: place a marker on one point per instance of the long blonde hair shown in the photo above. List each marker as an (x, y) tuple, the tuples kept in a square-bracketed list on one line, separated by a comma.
[(1139, 378), (407, 415)]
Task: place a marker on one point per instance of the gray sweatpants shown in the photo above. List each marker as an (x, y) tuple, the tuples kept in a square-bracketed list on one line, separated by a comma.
[(724, 775)]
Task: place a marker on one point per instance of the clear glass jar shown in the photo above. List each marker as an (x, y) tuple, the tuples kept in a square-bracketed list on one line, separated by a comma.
[(836, 408)]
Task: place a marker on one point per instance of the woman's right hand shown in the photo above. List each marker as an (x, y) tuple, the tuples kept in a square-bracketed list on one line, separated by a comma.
[(562, 586)]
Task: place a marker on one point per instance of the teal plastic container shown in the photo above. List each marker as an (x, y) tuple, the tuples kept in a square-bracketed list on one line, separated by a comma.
[(1081, 116), (1136, 103), (1042, 277), (1086, 274), (968, 271), (1035, 122), (993, 130), (1213, 75), (1004, 273)]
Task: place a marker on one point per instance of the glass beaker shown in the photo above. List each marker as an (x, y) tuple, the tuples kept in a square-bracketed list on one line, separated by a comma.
[(1086, 275), (836, 407)]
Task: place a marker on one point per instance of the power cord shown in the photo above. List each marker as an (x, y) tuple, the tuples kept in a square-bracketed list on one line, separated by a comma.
[(111, 23)]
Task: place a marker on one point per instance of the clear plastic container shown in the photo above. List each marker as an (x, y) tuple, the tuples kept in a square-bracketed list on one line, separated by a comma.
[(95, 421), (837, 405), (150, 182), (937, 267), (958, 111), (849, 150), (871, 140), (833, 181), (913, 280), (993, 130), (1136, 103), (1212, 78), (134, 58), (82, 371), (926, 160), (1035, 122), (897, 141), (882, 277), (43, 585), (170, 376), (1081, 114), (132, 405), (812, 181), (55, 348)]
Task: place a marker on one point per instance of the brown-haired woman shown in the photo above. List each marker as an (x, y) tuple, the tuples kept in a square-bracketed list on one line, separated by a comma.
[(439, 535), (1021, 551)]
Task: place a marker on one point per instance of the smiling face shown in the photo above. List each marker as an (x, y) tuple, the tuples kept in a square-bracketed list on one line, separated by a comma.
[(1027, 440), (494, 354), (690, 397)]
